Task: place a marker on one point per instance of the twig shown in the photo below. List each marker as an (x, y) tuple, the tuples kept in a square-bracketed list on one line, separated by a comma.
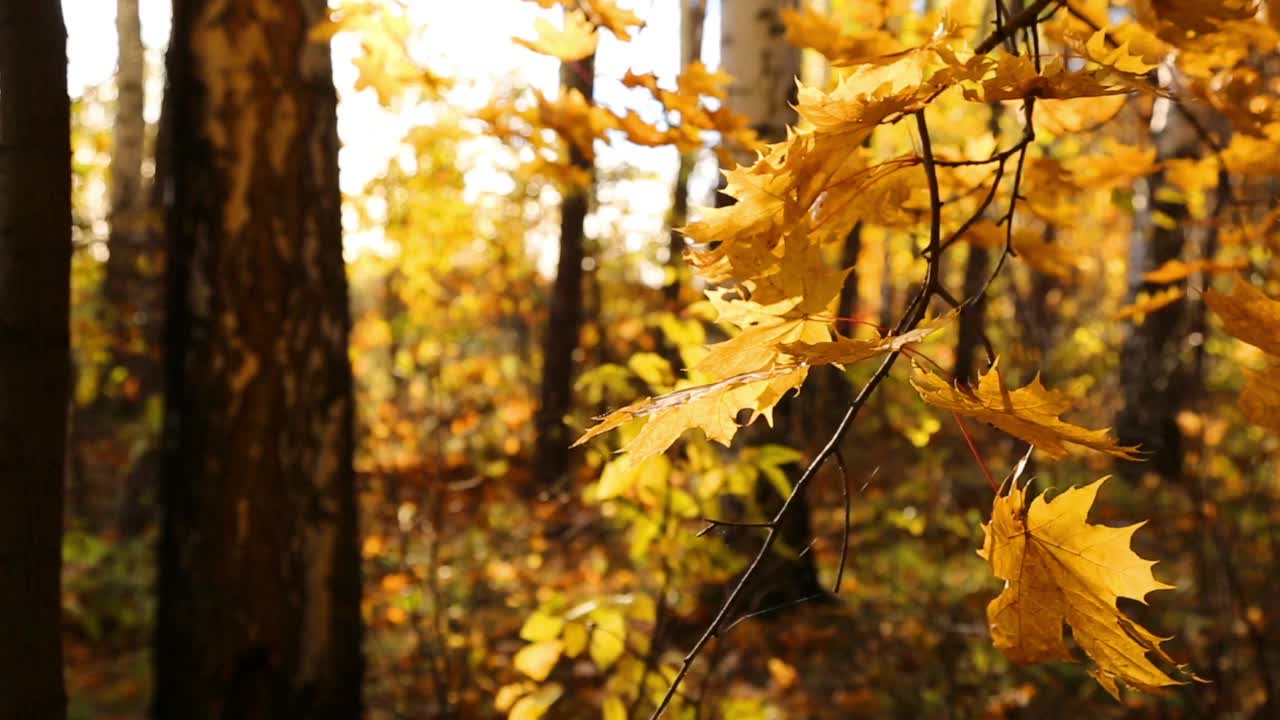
[(713, 523), (1029, 16), (1007, 252), (987, 345), (844, 536), (660, 613), (973, 448), (911, 318)]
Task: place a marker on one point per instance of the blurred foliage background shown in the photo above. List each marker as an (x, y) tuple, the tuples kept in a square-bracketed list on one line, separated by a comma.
[(491, 591)]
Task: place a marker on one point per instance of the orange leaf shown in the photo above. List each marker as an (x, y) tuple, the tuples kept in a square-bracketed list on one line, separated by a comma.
[(1030, 413), (1060, 569), (576, 41)]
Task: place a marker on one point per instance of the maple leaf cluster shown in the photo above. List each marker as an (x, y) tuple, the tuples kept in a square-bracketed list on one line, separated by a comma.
[(810, 190), (689, 111), (773, 282)]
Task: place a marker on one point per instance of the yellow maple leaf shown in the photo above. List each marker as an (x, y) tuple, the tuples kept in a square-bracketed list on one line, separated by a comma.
[(1248, 315), (1175, 270), (1145, 304), (1061, 569), (576, 119), (820, 182), (574, 42), (1046, 258), (811, 28), (872, 93), (1117, 165), (1030, 413), (644, 80), (1073, 115), (845, 350), (712, 408), (615, 18), (696, 79), (750, 371), (787, 306), (1013, 77), (640, 132), (1260, 397), (1121, 58)]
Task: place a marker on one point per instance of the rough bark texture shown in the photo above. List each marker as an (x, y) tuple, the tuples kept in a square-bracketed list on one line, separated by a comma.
[(551, 450), (259, 590), (1151, 370), (35, 273)]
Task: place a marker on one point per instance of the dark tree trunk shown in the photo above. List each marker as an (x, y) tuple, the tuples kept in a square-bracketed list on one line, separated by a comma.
[(551, 449), (969, 335), (887, 289), (1151, 371), (259, 585), (35, 291), (848, 305)]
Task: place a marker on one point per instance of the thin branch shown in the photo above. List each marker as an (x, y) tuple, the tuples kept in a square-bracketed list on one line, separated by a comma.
[(713, 523), (987, 345), (935, 193), (1007, 252), (774, 608), (1029, 16), (844, 535), (771, 537), (973, 448), (910, 319)]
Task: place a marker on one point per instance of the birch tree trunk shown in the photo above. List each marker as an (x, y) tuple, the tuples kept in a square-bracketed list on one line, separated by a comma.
[(259, 586), (764, 67), (35, 277), (693, 16), (132, 295)]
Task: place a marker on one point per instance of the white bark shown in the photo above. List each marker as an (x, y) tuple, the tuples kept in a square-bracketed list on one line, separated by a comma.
[(764, 67), (130, 125)]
